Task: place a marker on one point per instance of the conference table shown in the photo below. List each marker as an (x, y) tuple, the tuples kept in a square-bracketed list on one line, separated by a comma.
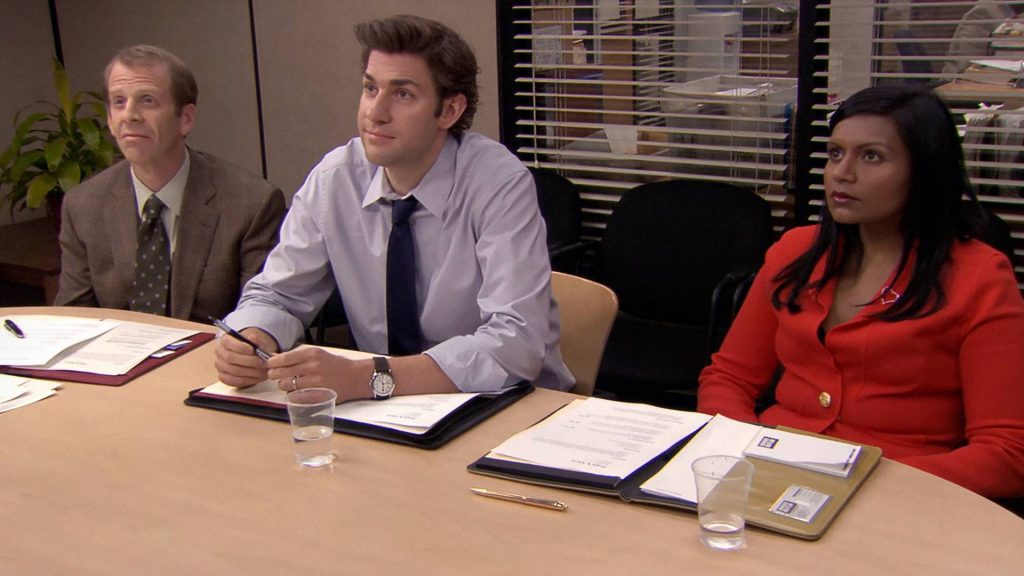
[(129, 480)]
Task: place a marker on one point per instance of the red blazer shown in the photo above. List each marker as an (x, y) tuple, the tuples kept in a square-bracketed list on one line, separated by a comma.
[(944, 393)]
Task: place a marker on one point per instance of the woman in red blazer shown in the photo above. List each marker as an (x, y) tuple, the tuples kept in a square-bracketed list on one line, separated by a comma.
[(888, 323)]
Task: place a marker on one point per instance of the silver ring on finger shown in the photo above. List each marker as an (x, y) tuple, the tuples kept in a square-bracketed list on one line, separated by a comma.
[(295, 383)]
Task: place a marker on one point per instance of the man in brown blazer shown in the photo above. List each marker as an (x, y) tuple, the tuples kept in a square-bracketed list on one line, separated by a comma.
[(217, 222)]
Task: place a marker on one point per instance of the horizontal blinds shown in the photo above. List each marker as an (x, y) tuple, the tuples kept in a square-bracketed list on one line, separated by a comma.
[(613, 95), (970, 53)]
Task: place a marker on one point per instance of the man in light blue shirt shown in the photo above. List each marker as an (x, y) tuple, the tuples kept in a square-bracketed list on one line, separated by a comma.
[(486, 319)]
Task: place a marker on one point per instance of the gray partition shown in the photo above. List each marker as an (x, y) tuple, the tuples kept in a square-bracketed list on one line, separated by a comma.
[(310, 72), (26, 49), (309, 65), (212, 37)]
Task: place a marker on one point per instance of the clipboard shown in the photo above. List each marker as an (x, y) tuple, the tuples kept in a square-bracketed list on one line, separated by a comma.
[(195, 340), (476, 410), (771, 480)]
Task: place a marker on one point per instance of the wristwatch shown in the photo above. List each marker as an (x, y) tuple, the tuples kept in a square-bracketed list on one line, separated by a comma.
[(382, 383)]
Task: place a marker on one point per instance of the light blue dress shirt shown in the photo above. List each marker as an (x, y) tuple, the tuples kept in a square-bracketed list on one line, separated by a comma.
[(483, 279)]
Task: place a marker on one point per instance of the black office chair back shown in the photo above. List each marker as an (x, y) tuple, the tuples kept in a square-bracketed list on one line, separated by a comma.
[(562, 209), (559, 205), (994, 231), (667, 245)]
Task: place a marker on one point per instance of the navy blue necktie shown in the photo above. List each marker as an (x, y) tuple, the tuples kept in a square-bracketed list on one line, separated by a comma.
[(403, 314)]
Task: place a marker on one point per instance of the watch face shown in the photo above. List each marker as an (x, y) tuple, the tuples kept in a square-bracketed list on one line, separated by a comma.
[(383, 384)]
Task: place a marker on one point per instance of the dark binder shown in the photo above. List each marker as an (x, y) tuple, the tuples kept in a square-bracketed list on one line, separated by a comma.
[(476, 410), (195, 340), (771, 479)]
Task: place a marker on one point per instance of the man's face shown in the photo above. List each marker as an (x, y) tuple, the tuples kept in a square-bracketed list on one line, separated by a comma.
[(142, 116), (397, 119)]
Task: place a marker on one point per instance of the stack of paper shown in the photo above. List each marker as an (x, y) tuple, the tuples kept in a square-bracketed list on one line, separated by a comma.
[(16, 392), (809, 452), (106, 347)]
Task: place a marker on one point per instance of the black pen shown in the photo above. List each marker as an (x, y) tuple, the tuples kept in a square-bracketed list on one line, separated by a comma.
[(13, 328), (236, 335)]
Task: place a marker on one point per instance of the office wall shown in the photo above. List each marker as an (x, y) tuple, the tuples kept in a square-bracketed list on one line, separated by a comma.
[(310, 72), (308, 66), (26, 46)]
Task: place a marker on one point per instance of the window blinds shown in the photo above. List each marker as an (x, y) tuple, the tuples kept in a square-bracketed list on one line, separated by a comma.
[(614, 94), (970, 53)]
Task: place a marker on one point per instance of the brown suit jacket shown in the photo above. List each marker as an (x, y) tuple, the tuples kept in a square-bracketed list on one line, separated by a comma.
[(229, 222)]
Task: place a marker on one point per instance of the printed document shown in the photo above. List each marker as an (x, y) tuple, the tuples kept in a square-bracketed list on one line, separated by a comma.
[(724, 436), (46, 337), (119, 350), (721, 436), (415, 414), (16, 391), (601, 437)]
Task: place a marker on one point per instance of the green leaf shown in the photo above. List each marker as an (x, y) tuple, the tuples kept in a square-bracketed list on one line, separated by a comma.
[(105, 154), (60, 81), (38, 188), (24, 162), (69, 175), (28, 124), (90, 132), (55, 152)]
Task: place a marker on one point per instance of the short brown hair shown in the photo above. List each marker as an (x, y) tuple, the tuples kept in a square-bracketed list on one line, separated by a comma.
[(183, 83), (450, 59)]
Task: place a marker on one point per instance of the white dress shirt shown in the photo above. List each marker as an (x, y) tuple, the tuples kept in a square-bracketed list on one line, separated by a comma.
[(483, 279)]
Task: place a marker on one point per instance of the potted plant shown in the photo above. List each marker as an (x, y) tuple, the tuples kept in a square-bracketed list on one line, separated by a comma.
[(53, 151)]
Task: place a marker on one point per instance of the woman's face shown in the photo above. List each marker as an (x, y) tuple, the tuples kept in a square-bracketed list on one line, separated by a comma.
[(867, 177)]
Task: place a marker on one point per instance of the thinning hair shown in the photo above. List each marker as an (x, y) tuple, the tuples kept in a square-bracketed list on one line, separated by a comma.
[(450, 59), (183, 83)]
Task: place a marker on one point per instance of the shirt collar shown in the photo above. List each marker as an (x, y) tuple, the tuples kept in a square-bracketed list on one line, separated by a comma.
[(172, 194), (433, 190)]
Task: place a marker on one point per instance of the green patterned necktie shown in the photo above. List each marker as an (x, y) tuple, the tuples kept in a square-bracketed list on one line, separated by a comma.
[(152, 262)]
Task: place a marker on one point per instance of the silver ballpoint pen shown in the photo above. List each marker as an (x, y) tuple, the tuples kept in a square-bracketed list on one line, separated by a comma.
[(541, 502)]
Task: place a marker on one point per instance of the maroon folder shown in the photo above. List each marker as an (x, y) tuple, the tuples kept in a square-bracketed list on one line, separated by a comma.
[(196, 340)]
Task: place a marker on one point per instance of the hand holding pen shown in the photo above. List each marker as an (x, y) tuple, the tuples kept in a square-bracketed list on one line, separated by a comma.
[(263, 354)]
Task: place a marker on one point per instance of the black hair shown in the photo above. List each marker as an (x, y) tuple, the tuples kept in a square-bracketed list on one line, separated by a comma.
[(936, 214)]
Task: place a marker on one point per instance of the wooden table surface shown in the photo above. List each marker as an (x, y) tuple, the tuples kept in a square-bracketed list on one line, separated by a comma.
[(128, 480)]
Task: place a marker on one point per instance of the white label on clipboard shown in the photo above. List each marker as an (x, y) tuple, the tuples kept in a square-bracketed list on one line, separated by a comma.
[(799, 503)]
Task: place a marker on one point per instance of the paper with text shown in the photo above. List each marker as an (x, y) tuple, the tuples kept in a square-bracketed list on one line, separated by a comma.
[(414, 413), (601, 437), (721, 436), (46, 337), (809, 452), (16, 391), (119, 350)]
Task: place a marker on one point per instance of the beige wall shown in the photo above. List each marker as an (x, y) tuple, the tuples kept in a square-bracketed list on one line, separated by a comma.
[(26, 49), (308, 63), (310, 72)]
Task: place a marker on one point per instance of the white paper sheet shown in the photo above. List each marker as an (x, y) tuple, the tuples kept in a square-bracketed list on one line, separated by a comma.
[(809, 452), (602, 437), (118, 350), (16, 391), (1008, 65), (415, 414), (46, 337), (721, 436)]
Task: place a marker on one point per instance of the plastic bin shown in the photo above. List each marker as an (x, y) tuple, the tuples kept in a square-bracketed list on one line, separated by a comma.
[(718, 115)]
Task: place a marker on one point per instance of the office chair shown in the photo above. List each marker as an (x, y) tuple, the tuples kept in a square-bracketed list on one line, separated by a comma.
[(561, 208), (587, 310), (666, 248), (994, 231)]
